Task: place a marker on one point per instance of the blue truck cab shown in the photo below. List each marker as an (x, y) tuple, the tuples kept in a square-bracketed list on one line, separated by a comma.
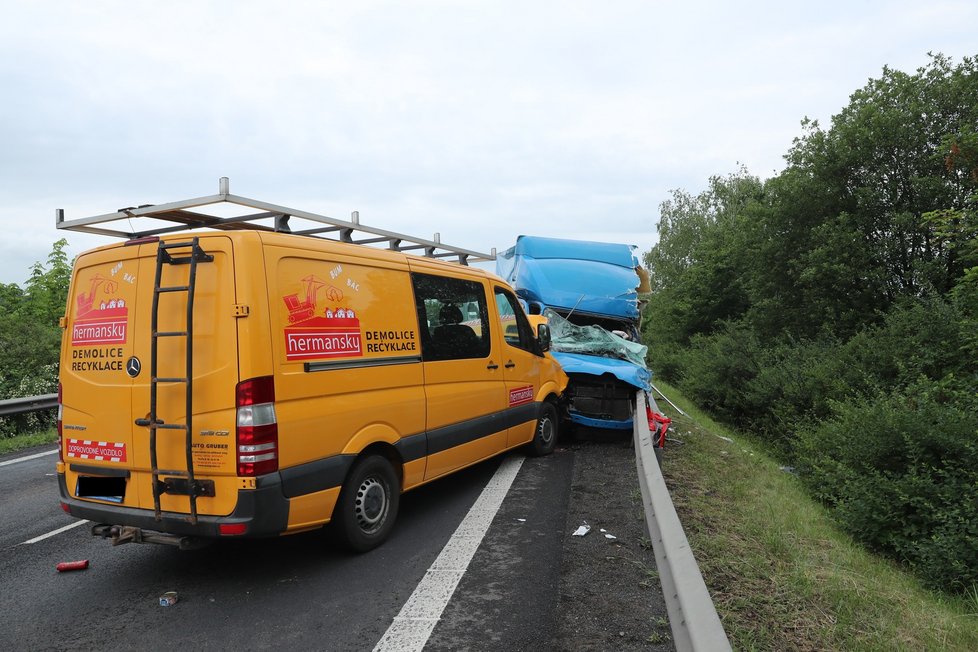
[(590, 292)]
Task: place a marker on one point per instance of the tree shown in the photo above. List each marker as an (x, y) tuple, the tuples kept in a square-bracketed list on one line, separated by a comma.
[(833, 310), (697, 269), (30, 336)]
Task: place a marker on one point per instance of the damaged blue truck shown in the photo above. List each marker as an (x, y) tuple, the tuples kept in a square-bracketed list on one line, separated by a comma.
[(590, 292)]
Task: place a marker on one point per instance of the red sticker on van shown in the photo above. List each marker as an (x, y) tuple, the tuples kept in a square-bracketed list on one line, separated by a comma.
[(100, 451), (520, 395), (334, 335), (317, 333), (101, 317), (309, 343)]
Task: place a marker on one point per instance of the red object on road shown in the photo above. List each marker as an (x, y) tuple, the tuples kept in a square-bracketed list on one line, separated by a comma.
[(72, 565)]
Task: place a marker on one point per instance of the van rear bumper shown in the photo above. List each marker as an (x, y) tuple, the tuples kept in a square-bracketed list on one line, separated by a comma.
[(264, 511)]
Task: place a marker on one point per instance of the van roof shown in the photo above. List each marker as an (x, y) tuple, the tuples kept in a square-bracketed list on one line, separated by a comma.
[(159, 219), (323, 244)]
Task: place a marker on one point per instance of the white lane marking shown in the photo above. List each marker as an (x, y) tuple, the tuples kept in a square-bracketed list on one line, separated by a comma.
[(413, 625), (54, 532), (29, 457)]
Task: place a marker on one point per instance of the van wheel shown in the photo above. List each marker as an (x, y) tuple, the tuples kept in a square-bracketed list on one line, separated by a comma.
[(545, 436), (368, 503)]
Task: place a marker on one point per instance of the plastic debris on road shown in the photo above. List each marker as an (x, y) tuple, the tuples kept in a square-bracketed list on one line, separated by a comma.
[(72, 565), (168, 599), (608, 535), (582, 530)]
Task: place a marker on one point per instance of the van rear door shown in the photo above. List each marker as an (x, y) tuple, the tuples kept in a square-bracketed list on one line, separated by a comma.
[(97, 415), (214, 350)]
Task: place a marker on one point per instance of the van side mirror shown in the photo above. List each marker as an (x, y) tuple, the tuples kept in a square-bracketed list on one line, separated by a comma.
[(543, 337)]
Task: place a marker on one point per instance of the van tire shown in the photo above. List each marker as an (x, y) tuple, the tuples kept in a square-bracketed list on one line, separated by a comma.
[(545, 433), (368, 503)]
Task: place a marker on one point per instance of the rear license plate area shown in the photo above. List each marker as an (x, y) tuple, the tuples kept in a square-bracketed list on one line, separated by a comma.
[(112, 490)]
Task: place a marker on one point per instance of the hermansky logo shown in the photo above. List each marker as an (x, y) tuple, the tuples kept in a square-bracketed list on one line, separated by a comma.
[(100, 332), (101, 321), (318, 332), (521, 395), (304, 344)]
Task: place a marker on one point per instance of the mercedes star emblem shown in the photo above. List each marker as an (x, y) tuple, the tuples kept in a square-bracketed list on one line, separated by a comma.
[(133, 367)]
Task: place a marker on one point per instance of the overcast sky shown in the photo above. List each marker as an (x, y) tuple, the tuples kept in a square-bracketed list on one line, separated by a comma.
[(479, 120)]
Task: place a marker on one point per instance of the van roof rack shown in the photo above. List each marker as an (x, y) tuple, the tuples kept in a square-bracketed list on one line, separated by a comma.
[(314, 225)]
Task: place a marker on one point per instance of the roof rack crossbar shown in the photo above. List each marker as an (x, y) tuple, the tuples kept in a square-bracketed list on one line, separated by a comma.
[(373, 240), (178, 212)]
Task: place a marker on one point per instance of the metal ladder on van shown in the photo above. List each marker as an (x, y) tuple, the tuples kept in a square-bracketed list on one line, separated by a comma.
[(180, 482)]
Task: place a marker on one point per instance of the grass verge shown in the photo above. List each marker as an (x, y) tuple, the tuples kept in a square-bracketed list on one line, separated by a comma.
[(20, 442), (781, 574)]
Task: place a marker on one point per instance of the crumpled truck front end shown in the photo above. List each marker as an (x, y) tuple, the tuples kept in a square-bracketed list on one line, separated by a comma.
[(590, 294)]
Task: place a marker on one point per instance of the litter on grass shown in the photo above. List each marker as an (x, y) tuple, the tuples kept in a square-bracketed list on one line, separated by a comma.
[(582, 530), (608, 535)]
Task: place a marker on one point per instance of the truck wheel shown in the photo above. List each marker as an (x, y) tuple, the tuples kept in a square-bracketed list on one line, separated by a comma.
[(368, 503), (545, 436)]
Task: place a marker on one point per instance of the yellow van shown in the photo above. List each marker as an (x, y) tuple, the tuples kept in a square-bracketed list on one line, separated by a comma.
[(249, 382)]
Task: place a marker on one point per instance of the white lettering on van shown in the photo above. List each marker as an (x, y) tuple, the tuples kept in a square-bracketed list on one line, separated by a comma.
[(336, 271), (520, 395), (300, 345), (108, 331), (86, 449)]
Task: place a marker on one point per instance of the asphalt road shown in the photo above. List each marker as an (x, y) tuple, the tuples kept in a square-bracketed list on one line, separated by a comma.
[(300, 592), (294, 591)]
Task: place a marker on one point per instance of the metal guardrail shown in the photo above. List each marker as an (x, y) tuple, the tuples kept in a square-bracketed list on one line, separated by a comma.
[(12, 406), (694, 621)]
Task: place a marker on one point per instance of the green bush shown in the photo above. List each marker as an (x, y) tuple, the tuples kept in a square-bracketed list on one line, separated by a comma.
[(30, 338), (796, 382), (917, 338), (900, 473), (716, 368)]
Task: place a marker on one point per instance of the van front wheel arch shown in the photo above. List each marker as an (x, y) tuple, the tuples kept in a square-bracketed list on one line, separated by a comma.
[(368, 504)]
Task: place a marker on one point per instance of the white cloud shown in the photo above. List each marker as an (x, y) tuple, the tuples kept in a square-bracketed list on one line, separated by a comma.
[(480, 120)]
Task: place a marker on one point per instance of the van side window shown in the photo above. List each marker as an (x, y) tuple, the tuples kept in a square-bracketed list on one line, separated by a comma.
[(516, 328), (453, 317)]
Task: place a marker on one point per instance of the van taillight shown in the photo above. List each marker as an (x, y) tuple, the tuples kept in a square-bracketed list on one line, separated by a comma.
[(232, 529), (257, 427), (61, 412)]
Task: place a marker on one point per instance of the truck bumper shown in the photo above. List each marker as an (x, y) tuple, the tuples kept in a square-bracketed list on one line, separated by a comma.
[(608, 424)]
